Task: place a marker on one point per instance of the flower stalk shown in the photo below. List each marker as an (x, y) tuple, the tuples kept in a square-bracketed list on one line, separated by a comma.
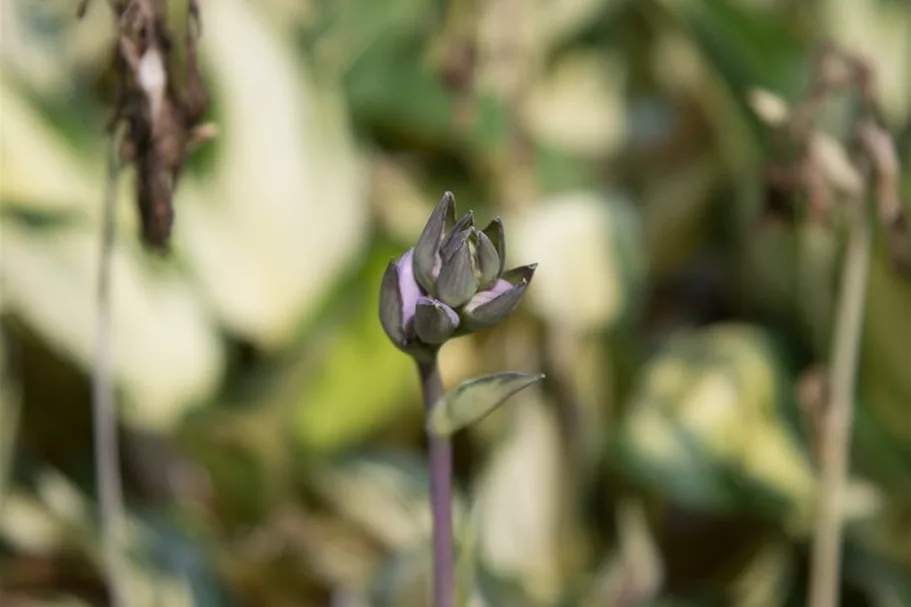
[(839, 419), (451, 283), (440, 448)]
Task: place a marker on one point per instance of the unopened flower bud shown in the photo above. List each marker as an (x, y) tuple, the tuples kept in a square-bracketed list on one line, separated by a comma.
[(451, 283), (457, 281), (488, 260), (427, 251), (494, 231), (399, 296), (489, 307), (434, 321)]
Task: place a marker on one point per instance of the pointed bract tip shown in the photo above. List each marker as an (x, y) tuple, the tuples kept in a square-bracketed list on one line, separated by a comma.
[(520, 273), (427, 249), (434, 321), (491, 307), (489, 262), (446, 208), (457, 281)]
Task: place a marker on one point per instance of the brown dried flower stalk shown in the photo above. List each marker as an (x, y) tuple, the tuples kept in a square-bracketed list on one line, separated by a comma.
[(161, 100)]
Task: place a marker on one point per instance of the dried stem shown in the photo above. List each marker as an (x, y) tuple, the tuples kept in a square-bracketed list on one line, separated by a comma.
[(440, 490), (107, 458), (838, 419)]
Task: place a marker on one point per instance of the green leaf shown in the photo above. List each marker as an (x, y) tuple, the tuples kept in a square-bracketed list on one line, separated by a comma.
[(474, 399), (361, 381), (708, 426)]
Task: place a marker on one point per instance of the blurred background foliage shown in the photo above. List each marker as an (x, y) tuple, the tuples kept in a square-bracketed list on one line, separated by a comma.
[(273, 436)]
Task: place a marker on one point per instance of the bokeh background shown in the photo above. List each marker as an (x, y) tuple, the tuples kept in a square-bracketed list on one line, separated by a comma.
[(272, 436)]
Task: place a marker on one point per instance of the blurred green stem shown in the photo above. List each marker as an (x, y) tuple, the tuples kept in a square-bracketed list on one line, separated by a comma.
[(838, 419), (104, 414), (440, 489)]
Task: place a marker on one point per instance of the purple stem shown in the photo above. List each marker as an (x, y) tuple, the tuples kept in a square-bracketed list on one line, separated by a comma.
[(440, 491)]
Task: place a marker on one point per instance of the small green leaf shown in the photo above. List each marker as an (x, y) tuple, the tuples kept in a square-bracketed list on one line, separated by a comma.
[(472, 400)]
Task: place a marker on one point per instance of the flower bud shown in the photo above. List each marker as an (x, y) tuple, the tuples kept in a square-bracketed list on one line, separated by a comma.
[(488, 260), (427, 250), (489, 307), (494, 231), (399, 296), (457, 281), (452, 282), (434, 321), (461, 232)]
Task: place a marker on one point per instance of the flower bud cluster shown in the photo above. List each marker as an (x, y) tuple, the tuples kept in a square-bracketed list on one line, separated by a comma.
[(451, 283)]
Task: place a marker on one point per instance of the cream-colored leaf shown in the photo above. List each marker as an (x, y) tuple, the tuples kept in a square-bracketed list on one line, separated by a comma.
[(832, 159), (580, 106), (43, 44), (57, 518), (773, 458), (719, 385), (62, 498), (41, 171), (862, 500), (580, 280), (655, 437), (388, 497), (711, 412), (28, 526), (38, 168), (527, 35), (763, 581), (285, 208), (283, 211), (634, 574), (519, 499), (771, 108), (879, 31), (166, 352)]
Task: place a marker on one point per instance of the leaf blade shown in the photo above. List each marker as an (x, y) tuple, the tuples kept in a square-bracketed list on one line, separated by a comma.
[(476, 398)]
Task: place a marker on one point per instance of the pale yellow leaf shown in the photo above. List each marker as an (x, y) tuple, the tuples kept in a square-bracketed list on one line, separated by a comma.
[(519, 501), (580, 105), (580, 281), (285, 210), (166, 352)]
